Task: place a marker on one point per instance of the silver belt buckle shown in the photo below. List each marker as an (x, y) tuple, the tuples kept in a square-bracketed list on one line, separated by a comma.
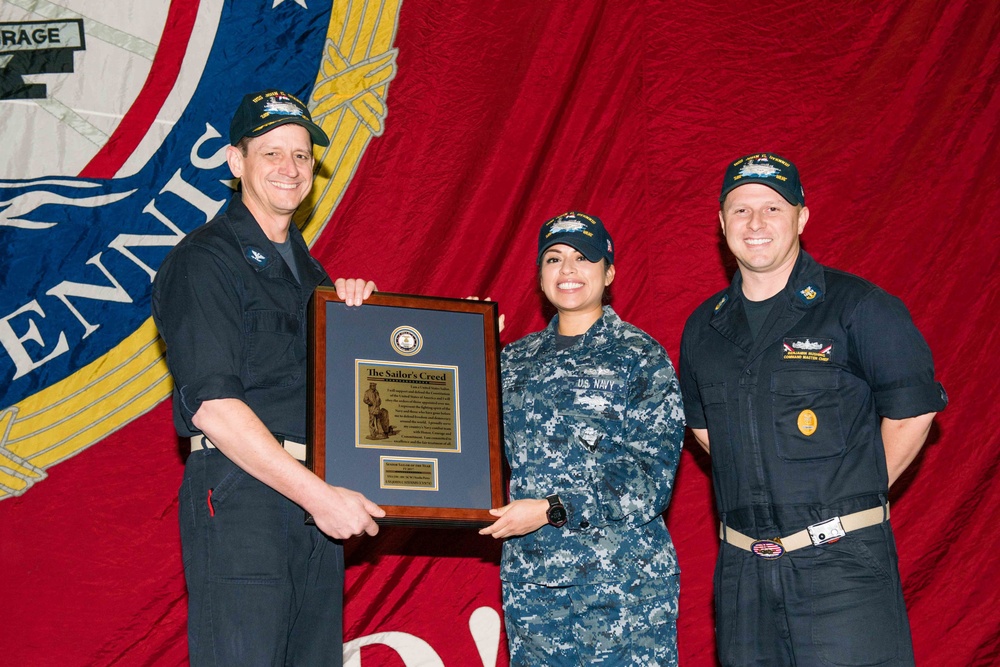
[(827, 531)]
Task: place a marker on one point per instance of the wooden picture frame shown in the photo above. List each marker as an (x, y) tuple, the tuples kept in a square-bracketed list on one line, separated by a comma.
[(404, 405)]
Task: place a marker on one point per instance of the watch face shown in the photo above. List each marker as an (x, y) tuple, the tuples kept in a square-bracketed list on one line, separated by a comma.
[(557, 515)]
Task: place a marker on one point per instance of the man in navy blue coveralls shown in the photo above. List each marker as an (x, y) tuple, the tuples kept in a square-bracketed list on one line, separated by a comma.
[(230, 302), (813, 391)]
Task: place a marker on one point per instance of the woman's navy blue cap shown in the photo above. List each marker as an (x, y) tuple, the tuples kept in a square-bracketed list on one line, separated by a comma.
[(263, 111), (768, 169), (578, 230)]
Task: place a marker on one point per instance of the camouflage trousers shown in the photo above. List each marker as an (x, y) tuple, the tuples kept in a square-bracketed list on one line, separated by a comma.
[(594, 624)]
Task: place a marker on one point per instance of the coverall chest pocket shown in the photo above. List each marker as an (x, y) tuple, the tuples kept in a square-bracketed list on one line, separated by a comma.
[(806, 409), (592, 419), (275, 350), (720, 430), (514, 395), (515, 421)]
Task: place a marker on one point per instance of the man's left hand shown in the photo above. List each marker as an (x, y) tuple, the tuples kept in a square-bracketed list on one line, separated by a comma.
[(354, 291)]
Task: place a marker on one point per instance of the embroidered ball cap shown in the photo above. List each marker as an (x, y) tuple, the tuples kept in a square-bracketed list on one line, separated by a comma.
[(265, 110), (775, 172), (578, 230)]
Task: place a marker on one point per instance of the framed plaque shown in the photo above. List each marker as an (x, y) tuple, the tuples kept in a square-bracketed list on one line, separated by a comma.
[(404, 405)]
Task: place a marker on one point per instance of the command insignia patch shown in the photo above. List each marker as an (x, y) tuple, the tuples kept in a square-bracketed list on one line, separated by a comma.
[(807, 349)]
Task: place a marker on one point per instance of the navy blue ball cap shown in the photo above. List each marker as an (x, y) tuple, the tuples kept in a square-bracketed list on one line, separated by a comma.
[(775, 172), (578, 230), (261, 112)]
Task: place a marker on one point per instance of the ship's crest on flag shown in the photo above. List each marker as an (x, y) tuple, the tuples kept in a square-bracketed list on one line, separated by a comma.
[(85, 227)]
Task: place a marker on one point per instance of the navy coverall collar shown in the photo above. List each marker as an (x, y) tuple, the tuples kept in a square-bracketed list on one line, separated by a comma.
[(806, 288), (260, 253), (609, 318)]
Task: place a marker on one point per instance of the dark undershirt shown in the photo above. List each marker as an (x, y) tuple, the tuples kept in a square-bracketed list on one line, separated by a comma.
[(285, 250), (757, 312), (564, 342)]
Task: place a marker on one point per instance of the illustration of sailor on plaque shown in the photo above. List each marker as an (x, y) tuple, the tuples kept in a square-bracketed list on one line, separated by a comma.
[(378, 417)]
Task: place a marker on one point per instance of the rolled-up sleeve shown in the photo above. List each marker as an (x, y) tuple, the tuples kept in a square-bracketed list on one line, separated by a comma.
[(199, 314), (896, 360)]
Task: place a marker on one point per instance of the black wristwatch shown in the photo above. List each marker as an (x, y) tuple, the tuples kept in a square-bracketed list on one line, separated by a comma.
[(556, 513)]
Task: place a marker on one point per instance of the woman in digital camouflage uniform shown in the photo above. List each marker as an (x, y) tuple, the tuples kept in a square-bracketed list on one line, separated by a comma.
[(593, 426)]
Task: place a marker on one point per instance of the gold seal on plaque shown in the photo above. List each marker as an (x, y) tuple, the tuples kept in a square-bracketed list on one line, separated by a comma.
[(406, 340)]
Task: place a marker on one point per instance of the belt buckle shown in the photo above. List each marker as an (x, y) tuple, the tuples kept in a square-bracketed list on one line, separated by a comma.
[(826, 532), (767, 549)]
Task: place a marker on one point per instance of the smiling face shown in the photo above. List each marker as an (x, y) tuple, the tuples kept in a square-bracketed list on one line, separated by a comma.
[(276, 174), (574, 285), (762, 231)]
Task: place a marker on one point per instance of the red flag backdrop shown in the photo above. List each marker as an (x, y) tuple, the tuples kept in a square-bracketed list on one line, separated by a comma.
[(504, 113)]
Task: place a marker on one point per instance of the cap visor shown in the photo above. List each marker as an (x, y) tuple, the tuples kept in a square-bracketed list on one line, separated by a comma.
[(591, 252)]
